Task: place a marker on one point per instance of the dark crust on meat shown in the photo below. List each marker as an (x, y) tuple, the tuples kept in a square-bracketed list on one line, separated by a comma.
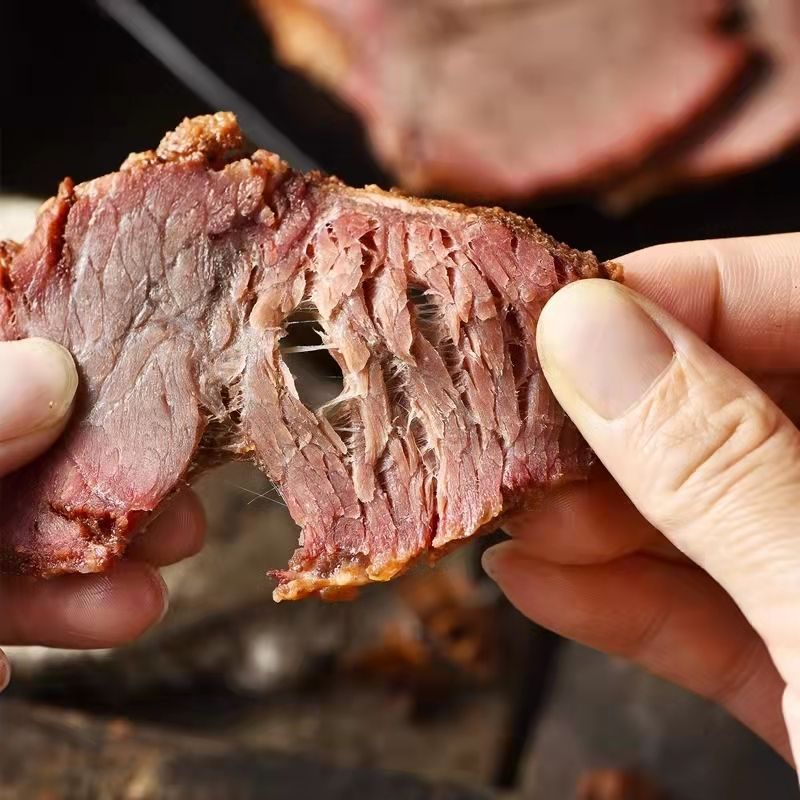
[(215, 139)]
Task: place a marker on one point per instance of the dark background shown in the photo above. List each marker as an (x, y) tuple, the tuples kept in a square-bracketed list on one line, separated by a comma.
[(82, 94)]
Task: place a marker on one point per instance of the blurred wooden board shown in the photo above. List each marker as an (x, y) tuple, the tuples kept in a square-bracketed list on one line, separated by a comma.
[(48, 754)]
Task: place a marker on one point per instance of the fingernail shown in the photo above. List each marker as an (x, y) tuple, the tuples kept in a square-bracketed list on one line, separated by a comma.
[(5, 671), (165, 595), (160, 585), (491, 560), (595, 340), (37, 386)]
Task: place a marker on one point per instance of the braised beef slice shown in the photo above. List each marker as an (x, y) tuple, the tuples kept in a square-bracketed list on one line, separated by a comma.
[(172, 282)]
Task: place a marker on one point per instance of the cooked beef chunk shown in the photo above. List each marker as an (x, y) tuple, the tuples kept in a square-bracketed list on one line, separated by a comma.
[(512, 98), (173, 281)]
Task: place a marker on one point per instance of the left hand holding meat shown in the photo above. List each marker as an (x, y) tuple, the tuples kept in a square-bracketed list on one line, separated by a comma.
[(38, 382)]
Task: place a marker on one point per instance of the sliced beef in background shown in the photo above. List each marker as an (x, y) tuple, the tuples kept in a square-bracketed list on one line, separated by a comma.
[(762, 123), (768, 122), (508, 99), (173, 283)]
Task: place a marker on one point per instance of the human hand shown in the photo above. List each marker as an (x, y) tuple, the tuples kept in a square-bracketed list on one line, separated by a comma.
[(37, 386), (697, 576)]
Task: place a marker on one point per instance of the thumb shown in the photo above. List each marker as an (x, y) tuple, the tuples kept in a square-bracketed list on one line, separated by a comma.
[(702, 452), (37, 387)]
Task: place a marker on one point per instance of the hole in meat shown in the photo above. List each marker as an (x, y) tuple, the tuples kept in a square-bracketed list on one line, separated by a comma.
[(241, 493), (228, 401), (426, 315), (317, 375), (368, 241)]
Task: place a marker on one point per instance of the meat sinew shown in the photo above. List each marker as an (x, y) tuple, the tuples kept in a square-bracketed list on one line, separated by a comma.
[(512, 98), (173, 281)]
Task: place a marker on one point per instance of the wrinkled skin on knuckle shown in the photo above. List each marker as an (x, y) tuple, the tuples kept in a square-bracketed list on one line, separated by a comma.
[(709, 453)]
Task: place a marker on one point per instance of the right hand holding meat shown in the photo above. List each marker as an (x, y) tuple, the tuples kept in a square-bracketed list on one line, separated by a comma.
[(688, 562), (38, 382)]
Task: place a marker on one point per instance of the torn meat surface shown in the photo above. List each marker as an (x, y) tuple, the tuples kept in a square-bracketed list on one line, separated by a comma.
[(172, 283), (513, 98)]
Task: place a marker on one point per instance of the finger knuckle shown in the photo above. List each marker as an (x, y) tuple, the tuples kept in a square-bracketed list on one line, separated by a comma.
[(729, 443), (705, 439)]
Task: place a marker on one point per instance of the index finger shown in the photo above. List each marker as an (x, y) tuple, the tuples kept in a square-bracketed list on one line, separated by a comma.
[(82, 611), (742, 296)]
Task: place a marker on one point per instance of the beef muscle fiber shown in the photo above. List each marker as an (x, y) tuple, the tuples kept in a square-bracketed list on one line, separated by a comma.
[(173, 281)]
